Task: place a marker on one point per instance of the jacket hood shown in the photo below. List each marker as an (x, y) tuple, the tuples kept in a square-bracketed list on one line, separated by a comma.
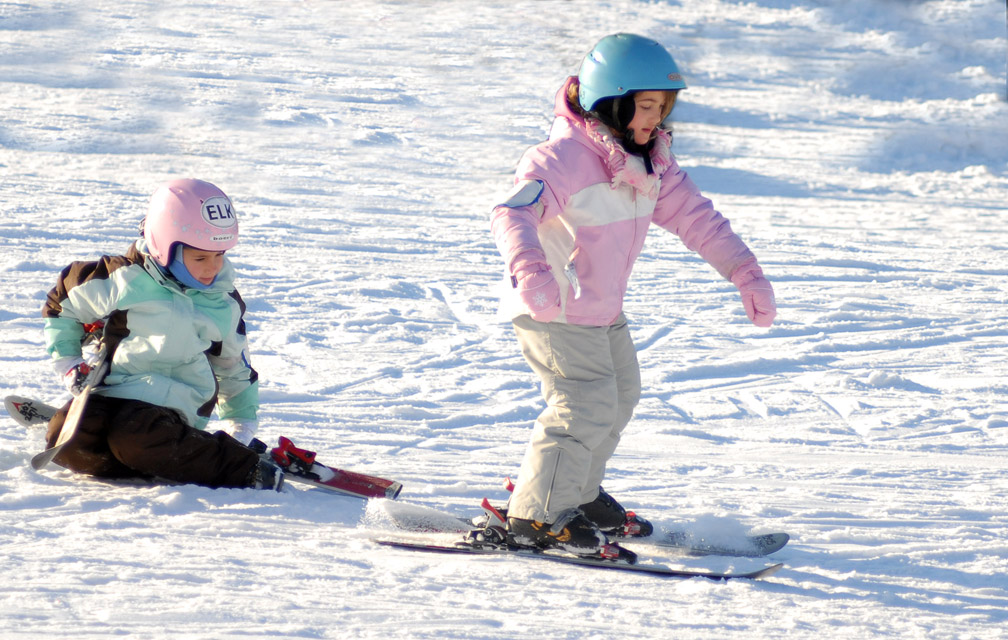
[(624, 167)]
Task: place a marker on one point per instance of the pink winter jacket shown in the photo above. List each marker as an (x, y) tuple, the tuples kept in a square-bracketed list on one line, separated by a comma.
[(596, 206)]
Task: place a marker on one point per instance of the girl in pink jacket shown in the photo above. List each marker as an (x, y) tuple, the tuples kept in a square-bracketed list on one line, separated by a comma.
[(569, 233)]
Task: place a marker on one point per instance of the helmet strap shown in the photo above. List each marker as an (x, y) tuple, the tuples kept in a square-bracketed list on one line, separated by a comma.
[(642, 150)]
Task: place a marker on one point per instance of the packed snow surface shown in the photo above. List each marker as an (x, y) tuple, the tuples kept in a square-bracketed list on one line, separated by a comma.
[(859, 147)]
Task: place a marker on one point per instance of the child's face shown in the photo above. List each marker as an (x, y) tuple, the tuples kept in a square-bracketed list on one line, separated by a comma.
[(203, 265), (648, 114)]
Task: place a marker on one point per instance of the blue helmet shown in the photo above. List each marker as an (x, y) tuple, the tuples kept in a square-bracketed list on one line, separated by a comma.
[(625, 63)]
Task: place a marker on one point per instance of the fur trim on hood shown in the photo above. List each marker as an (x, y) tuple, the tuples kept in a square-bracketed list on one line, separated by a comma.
[(599, 137)]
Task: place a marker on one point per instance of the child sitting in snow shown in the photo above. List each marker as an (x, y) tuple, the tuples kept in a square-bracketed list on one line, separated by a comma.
[(569, 233), (175, 337)]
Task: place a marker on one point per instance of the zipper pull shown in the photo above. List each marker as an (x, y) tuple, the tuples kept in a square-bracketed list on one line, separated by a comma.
[(571, 273)]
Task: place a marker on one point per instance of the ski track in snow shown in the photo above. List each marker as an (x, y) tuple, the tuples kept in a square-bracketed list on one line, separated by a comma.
[(858, 147)]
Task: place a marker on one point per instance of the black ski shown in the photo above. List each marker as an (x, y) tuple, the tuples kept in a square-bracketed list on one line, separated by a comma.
[(421, 519), (745, 547), (616, 565)]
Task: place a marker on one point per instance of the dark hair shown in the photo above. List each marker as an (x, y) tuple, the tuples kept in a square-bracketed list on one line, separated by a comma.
[(616, 112)]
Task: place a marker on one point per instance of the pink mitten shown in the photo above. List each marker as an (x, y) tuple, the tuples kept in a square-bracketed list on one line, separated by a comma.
[(537, 287), (757, 294)]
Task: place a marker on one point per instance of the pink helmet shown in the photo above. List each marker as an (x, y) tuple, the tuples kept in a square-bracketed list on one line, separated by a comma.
[(193, 212)]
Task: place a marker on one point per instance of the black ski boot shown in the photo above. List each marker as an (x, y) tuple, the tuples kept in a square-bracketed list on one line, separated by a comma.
[(613, 520), (570, 532), (266, 475)]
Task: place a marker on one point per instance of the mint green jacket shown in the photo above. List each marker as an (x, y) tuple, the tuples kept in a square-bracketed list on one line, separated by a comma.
[(175, 347)]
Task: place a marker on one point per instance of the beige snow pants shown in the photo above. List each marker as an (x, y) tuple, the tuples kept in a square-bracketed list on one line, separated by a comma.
[(591, 384)]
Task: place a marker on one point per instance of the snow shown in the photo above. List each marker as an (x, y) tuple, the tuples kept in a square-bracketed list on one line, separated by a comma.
[(858, 147)]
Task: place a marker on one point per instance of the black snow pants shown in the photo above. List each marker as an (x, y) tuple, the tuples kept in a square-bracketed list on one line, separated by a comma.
[(119, 438)]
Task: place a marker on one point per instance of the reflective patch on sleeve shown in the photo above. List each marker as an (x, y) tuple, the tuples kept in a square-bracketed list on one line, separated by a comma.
[(526, 192)]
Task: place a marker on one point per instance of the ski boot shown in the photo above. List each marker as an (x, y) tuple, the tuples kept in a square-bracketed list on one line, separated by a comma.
[(571, 532), (266, 474), (613, 520)]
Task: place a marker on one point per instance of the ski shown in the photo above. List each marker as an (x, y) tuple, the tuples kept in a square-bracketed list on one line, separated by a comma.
[(300, 466), (28, 412), (617, 565), (744, 547), (420, 519), (348, 483), (76, 411)]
